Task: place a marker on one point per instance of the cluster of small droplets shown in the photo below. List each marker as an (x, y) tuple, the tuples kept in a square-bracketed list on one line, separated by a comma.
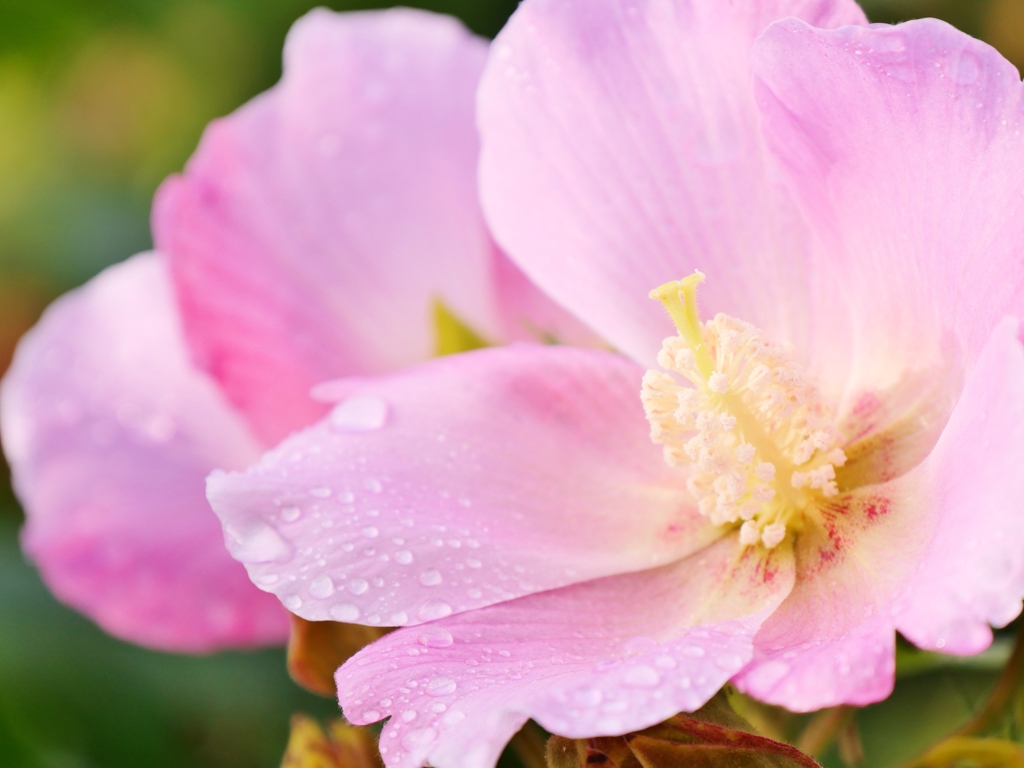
[(732, 480)]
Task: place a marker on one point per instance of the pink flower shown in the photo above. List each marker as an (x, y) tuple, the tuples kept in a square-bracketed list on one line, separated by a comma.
[(844, 464), (308, 239)]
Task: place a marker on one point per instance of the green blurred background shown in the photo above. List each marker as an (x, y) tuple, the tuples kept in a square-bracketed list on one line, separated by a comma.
[(99, 101)]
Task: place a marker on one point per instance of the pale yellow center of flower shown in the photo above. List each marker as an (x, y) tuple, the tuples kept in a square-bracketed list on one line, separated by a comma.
[(737, 410)]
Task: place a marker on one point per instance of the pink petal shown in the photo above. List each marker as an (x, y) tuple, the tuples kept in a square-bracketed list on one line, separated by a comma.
[(464, 482), (935, 553), (832, 641), (621, 150), (528, 314), (315, 227), (903, 147), (973, 573), (601, 658), (109, 432)]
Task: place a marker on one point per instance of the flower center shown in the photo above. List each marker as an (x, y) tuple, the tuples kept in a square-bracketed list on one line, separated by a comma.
[(760, 441)]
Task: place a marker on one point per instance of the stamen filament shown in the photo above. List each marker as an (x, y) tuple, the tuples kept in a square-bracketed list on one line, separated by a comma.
[(754, 430)]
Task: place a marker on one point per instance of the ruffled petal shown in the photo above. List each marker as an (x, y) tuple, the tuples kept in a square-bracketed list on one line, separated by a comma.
[(621, 150), (832, 640), (109, 432), (903, 147), (587, 660), (314, 229), (466, 481), (973, 572), (935, 553)]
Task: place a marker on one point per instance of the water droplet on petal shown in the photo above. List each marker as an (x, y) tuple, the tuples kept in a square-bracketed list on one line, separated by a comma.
[(370, 532), (440, 686), (359, 414), (453, 718), (641, 676), (371, 715), (435, 637), (256, 542), (290, 514), (293, 602), (434, 609), (344, 612), (409, 715), (419, 738), (638, 645), (403, 557), (430, 578), (358, 586), (320, 492), (400, 618), (588, 697), (321, 587), (693, 652)]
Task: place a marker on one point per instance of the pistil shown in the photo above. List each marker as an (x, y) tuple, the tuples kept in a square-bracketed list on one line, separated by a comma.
[(759, 439)]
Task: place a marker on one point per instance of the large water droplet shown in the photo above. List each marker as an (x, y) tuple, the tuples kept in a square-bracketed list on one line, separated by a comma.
[(371, 532), (256, 542), (409, 715), (321, 587), (320, 492), (435, 637), (359, 414), (440, 686), (403, 557), (419, 738), (641, 676), (430, 578), (358, 586), (453, 718), (291, 514), (434, 609), (693, 652), (371, 715), (344, 612), (588, 697), (637, 645), (293, 602)]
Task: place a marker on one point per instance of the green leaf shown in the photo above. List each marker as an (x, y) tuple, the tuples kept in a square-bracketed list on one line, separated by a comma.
[(451, 334), (965, 752)]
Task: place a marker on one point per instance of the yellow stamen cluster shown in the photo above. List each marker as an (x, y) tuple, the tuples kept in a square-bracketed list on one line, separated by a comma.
[(759, 440)]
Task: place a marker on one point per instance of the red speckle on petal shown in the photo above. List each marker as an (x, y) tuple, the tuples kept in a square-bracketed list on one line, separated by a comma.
[(865, 414)]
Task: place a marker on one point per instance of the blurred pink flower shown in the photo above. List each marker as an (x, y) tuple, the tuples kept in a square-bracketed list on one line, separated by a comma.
[(843, 467), (308, 238)]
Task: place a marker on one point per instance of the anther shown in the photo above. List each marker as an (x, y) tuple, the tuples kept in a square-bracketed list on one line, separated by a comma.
[(758, 438)]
